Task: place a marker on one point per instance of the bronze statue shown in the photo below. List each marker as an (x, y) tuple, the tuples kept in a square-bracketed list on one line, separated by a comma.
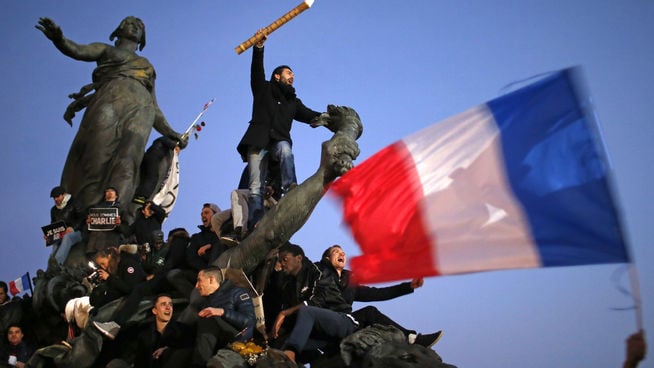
[(119, 116)]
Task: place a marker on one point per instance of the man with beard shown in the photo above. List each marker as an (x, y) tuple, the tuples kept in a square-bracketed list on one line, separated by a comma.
[(203, 248), (274, 108)]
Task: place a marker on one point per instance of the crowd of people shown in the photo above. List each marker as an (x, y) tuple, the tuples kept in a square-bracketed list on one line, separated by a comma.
[(307, 306)]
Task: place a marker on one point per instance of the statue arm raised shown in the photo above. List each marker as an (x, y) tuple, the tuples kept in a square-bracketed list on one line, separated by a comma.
[(90, 52)]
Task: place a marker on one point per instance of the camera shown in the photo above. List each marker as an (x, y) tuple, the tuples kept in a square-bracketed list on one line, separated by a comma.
[(94, 277)]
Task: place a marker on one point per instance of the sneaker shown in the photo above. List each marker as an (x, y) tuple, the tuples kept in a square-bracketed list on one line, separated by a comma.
[(229, 240), (111, 328), (428, 340)]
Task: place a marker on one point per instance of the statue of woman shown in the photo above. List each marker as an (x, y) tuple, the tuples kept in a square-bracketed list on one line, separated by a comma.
[(119, 116)]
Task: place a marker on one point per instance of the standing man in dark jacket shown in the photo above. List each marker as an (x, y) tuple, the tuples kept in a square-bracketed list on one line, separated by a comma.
[(66, 209), (274, 108), (226, 316)]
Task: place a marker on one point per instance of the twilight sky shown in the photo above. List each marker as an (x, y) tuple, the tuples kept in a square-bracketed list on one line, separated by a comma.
[(402, 66)]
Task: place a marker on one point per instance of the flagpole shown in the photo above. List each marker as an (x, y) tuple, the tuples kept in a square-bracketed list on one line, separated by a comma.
[(635, 292), (29, 283)]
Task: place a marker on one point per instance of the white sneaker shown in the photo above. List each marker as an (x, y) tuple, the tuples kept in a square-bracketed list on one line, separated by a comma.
[(109, 329)]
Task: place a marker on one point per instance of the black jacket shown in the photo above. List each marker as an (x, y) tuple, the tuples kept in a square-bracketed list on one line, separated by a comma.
[(72, 214), (205, 236), (176, 335), (361, 293), (143, 227), (127, 275), (300, 288), (237, 303), (274, 108)]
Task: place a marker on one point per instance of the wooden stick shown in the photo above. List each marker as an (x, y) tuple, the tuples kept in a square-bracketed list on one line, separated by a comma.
[(306, 4)]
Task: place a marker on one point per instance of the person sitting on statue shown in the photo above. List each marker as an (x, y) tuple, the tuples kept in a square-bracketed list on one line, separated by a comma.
[(296, 287), (99, 240), (164, 342), (121, 112), (153, 258), (154, 167), (66, 209), (322, 316), (332, 265), (149, 218), (119, 272), (203, 248), (226, 316), (16, 352), (268, 134), (238, 214)]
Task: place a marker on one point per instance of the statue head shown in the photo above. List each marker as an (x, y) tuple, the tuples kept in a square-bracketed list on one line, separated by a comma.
[(123, 31)]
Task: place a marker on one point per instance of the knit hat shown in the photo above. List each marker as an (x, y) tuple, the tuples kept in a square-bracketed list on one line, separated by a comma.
[(56, 192), (214, 207)]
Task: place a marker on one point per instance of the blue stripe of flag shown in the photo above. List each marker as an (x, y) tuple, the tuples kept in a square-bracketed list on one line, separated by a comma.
[(558, 171)]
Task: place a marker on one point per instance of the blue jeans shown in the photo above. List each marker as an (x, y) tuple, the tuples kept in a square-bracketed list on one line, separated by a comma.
[(61, 250), (258, 172), (316, 327)]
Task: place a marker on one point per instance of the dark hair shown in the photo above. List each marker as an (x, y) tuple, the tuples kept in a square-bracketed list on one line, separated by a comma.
[(113, 254), (160, 295), (294, 249), (279, 70), (3, 285), (114, 189), (179, 231), (328, 251), (216, 272), (14, 324), (118, 29)]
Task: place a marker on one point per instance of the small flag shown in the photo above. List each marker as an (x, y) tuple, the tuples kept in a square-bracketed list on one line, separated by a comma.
[(518, 182), (20, 285)]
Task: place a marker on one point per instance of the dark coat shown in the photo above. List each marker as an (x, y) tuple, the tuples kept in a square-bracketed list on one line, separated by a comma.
[(205, 236), (301, 287), (72, 214), (143, 227), (176, 335), (22, 352), (237, 303), (273, 110), (362, 293), (128, 274)]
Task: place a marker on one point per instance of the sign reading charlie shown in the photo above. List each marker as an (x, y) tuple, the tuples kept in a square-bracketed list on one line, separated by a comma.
[(102, 219), (53, 232)]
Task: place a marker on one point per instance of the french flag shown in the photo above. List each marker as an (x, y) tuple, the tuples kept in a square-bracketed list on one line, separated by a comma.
[(518, 182), (20, 285)]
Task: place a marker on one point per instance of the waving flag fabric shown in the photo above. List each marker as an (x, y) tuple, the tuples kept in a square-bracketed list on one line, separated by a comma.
[(167, 195), (20, 285), (518, 182)]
